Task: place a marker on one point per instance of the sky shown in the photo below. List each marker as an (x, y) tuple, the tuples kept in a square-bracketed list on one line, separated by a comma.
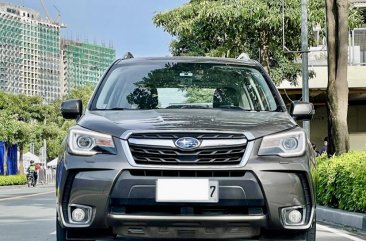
[(127, 24)]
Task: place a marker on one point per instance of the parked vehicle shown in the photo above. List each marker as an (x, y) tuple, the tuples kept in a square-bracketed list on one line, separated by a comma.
[(186, 147)]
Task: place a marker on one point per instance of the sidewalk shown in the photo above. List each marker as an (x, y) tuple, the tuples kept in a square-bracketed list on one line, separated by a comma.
[(340, 217), (26, 186)]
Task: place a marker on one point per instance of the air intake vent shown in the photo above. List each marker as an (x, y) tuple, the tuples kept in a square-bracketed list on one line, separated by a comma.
[(185, 173)]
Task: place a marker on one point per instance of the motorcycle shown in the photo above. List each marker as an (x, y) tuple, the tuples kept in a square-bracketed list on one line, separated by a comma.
[(31, 181)]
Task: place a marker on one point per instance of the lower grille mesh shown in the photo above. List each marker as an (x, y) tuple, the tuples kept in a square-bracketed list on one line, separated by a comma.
[(185, 173)]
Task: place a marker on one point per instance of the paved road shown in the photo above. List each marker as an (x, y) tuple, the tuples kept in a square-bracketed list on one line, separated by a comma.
[(29, 214)]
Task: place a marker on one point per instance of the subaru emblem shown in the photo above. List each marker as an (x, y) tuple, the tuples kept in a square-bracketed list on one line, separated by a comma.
[(187, 143)]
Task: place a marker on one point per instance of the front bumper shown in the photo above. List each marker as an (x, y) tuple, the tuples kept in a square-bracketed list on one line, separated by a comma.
[(124, 202)]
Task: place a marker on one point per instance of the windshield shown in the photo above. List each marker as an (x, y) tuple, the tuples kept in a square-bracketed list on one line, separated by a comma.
[(184, 86)]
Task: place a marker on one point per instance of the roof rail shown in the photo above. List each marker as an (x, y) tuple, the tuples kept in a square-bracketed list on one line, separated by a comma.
[(244, 56), (127, 55)]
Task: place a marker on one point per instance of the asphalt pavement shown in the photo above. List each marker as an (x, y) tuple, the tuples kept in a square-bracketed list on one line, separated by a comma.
[(29, 214)]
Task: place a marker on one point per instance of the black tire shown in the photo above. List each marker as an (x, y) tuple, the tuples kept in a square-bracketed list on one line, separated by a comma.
[(311, 233), (61, 233), (30, 181), (308, 235)]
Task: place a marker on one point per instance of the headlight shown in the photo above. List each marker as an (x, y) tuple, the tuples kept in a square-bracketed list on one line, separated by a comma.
[(88, 143), (289, 144)]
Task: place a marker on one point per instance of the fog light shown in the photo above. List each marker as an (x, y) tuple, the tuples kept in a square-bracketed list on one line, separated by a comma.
[(294, 216), (78, 215)]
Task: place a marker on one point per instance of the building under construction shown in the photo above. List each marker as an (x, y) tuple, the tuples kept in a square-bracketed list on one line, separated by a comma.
[(35, 61), (29, 53), (84, 63)]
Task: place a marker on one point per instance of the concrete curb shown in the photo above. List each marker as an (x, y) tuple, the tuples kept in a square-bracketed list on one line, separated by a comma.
[(340, 217), (24, 186)]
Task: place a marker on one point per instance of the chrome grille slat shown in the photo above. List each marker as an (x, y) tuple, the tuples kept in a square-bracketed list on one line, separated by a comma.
[(154, 153), (201, 136)]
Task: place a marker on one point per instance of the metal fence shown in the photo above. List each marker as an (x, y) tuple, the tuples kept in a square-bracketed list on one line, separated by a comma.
[(356, 50), (357, 54), (47, 176)]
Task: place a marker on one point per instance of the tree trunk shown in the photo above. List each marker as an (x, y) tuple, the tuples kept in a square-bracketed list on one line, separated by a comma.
[(6, 159), (264, 50), (21, 163), (337, 91)]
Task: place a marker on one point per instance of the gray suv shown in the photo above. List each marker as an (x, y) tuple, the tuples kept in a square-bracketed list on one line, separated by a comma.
[(185, 147)]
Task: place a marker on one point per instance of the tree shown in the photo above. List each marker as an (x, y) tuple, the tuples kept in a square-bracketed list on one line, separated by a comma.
[(24, 108), (82, 93), (21, 118), (23, 134), (26, 119), (337, 91), (53, 133), (195, 95), (227, 28), (7, 127)]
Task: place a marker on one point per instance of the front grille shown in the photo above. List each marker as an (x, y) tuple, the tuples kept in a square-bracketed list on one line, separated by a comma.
[(217, 156), (145, 153)]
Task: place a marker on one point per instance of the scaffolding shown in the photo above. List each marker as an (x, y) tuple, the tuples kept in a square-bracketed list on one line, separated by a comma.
[(34, 61), (84, 63), (29, 53)]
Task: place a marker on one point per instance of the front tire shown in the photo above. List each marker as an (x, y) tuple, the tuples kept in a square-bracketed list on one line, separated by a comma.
[(61, 233), (311, 233)]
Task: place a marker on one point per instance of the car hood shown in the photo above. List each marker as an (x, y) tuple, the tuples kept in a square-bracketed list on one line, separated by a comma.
[(254, 124)]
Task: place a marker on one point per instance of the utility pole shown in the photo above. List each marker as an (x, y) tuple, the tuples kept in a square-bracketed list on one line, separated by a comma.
[(44, 152), (304, 51), (32, 148)]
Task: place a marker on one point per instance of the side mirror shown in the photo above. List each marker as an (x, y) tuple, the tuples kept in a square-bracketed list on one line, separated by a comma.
[(71, 109), (302, 110)]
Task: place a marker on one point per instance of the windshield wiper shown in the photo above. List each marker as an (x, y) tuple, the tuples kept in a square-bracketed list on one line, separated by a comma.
[(231, 107), (118, 108)]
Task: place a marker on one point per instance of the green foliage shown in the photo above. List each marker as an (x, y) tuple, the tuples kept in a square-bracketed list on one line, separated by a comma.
[(7, 127), (13, 180), (199, 95), (82, 93), (53, 133), (26, 119), (229, 27), (341, 181), (22, 107)]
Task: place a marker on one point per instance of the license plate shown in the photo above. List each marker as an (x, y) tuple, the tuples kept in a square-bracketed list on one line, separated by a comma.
[(187, 190)]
